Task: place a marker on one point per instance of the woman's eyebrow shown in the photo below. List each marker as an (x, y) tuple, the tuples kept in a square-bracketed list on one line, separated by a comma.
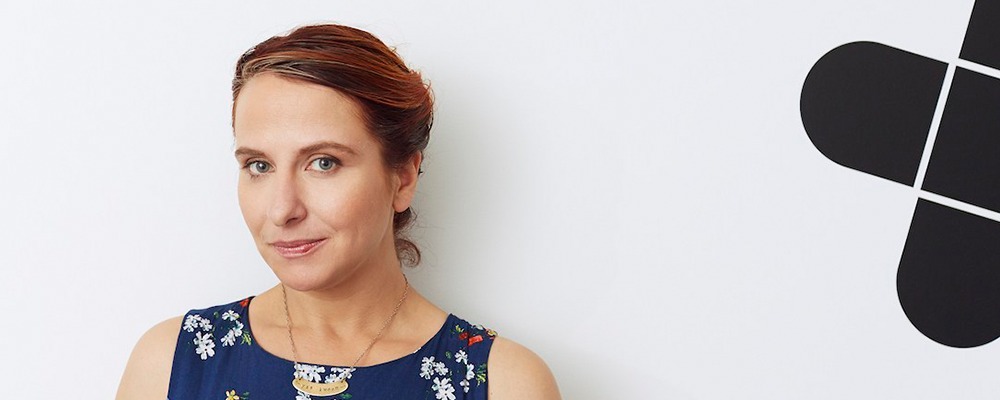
[(308, 149)]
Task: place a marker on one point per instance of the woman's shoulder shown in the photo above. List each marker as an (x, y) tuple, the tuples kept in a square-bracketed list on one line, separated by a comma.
[(148, 369), (147, 372), (517, 372), (514, 370)]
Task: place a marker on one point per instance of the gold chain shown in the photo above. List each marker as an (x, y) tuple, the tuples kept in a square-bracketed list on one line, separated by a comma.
[(288, 324)]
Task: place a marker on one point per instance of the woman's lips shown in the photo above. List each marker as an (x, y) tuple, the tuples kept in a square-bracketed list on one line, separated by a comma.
[(298, 251)]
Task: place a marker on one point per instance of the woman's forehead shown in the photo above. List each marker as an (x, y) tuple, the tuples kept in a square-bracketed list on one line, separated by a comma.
[(287, 115)]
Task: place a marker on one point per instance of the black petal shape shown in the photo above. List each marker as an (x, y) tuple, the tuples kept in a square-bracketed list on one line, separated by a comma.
[(868, 106), (948, 280)]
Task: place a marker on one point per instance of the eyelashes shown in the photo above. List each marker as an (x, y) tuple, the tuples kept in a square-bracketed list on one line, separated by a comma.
[(334, 162)]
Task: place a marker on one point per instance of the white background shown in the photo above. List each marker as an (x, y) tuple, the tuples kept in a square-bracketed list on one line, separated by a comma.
[(625, 188)]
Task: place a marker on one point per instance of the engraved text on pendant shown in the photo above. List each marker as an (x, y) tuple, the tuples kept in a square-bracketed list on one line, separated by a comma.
[(319, 389)]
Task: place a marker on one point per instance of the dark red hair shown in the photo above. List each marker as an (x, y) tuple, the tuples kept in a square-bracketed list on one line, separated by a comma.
[(397, 106)]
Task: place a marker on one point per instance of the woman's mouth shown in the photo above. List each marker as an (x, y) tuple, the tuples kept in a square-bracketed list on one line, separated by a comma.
[(300, 250)]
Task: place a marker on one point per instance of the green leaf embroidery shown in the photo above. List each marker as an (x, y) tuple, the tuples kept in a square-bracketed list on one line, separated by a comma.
[(345, 395), (481, 374), (246, 338), (447, 354)]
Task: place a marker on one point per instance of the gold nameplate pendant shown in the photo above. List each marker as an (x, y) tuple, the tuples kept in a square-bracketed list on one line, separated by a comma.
[(319, 389)]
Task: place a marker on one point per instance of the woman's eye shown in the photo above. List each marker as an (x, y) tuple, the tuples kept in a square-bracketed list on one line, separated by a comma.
[(325, 163), (252, 164)]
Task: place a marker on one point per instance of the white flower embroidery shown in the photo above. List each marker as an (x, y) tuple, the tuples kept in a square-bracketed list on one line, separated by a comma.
[(470, 372), (206, 347), (229, 339), (191, 322), (310, 373), (444, 389), (425, 367), (461, 356), (230, 316), (195, 321), (440, 369), (338, 374), (301, 396)]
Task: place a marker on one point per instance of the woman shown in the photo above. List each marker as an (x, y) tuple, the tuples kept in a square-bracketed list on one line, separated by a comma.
[(330, 128)]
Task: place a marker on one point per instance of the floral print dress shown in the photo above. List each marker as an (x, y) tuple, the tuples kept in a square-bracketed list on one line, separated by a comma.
[(217, 358)]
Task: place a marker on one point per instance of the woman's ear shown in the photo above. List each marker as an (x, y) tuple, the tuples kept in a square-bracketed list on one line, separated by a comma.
[(407, 178)]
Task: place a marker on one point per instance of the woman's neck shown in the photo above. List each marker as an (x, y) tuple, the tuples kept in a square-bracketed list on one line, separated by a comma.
[(358, 305)]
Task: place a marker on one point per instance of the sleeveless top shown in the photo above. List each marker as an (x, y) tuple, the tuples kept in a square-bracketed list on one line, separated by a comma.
[(218, 358)]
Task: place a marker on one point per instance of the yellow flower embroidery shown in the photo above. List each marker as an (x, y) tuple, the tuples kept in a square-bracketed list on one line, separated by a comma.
[(231, 395)]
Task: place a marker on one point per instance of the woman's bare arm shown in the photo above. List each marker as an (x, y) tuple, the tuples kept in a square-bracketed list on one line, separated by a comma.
[(147, 373)]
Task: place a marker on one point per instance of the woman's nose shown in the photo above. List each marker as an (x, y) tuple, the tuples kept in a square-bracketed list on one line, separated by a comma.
[(286, 202)]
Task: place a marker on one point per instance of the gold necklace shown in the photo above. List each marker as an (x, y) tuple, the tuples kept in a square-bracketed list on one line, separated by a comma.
[(340, 384)]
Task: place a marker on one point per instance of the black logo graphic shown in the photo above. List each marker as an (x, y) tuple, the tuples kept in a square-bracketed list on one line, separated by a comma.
[(869, 107)]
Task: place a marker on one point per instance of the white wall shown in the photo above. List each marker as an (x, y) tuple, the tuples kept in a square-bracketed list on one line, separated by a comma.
[(626, 188)]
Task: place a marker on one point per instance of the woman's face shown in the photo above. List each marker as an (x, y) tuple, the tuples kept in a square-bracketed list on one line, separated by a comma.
[(293, 187)]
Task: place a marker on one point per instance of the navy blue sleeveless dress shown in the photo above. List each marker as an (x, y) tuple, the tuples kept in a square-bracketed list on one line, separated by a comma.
[(217, 358)]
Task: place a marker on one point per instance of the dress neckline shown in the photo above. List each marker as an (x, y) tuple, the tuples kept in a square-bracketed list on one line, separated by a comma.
[(254, 344)]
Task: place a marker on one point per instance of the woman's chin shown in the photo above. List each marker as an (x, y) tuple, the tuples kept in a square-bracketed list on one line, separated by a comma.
[(307, 277)]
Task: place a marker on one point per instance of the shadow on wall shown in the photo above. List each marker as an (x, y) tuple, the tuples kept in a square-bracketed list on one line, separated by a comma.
[(870, 107)]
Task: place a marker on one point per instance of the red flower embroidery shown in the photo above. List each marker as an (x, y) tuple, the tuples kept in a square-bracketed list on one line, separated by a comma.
[(463, 335), (244, 302), (475, 339)]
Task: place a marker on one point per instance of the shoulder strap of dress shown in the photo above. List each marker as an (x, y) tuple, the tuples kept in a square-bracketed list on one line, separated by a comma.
[(474, 342), (204, 333), (195, 345)]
